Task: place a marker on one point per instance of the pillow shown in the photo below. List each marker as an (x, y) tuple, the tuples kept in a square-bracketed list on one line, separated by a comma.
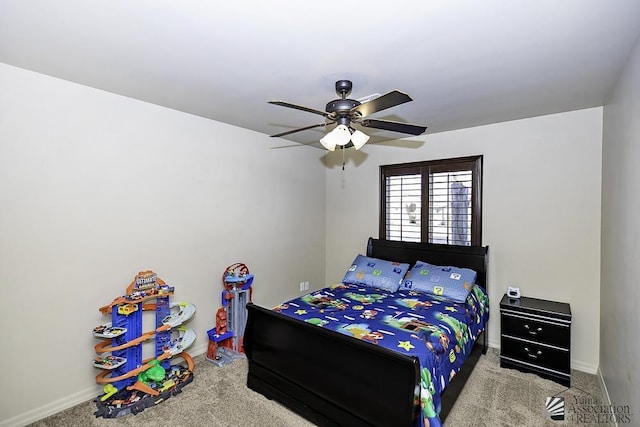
[(376, 273), (452, 283)]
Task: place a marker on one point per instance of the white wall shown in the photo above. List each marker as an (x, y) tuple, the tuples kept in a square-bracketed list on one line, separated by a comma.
[(541, 210), (95, 187), (620, 291)]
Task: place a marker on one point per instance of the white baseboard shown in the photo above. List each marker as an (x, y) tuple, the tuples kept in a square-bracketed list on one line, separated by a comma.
[(584, 367), (199, 349), (51, 408), (70, 401), (604, 391)]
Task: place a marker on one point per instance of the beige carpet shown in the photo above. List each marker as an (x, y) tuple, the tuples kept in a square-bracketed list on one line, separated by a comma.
[(493, 397), (513, 398)]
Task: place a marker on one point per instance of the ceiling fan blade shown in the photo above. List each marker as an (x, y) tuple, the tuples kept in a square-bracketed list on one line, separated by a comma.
[(300, 107), (394, 126), (298, 130), (314, 144), (383, 102)]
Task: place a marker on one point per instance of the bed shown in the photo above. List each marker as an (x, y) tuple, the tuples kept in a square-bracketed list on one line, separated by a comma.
[(345, 377)]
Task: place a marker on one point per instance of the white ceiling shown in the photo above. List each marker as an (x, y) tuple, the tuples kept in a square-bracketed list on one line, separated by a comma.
[(465, 63)]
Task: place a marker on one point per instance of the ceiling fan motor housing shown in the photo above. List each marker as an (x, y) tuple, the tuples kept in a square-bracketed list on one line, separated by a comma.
[(341, 107)]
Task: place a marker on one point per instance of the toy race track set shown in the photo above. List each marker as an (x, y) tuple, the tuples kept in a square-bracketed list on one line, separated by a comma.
[(132, 384), (225, 340)]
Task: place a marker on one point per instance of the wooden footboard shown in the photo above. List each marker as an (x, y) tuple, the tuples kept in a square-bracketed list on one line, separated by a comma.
[(337, 380), (329, 378)]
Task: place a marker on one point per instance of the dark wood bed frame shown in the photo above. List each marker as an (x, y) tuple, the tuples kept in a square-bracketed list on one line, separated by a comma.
[(336, 380)]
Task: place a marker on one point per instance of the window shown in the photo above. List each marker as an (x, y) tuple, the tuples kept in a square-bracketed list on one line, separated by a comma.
[(436, 201)]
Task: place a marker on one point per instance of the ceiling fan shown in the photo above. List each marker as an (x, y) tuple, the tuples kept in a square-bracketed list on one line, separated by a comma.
[(348, 112)]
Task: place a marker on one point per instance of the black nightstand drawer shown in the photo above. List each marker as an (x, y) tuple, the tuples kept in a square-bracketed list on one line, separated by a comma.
[(542, 356), (539, 330), (535, 336)]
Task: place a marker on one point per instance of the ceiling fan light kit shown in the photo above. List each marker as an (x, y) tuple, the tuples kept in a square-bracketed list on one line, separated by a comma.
[(341, 136), (358, 139), (347, 112)]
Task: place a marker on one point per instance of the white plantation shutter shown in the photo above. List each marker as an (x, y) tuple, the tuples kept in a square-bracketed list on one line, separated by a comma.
[(404, 201), (450, 207), (436, 201)]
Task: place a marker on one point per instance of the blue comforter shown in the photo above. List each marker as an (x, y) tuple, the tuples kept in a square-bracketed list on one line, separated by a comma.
[(439, 332)]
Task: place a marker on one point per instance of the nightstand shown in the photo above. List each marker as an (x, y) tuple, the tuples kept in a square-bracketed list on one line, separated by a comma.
[(535, 336)]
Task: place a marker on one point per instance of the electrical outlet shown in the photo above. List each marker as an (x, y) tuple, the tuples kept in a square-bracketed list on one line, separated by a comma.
[(302, 288), (306, 286)]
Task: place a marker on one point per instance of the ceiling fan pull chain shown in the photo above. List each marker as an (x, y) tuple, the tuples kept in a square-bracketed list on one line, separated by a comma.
[(343, 158)]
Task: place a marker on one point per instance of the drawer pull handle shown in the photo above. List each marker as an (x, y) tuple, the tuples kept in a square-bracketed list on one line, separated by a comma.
[(531, 331), (532, 355)]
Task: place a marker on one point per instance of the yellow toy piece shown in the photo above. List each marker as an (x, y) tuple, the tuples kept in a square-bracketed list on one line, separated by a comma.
[(127, 309), (109, 390)]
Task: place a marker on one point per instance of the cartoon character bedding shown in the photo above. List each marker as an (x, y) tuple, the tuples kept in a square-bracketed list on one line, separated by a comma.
[(432, 312)]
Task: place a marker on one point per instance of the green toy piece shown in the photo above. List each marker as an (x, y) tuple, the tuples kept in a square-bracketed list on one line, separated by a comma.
[(155, 373)]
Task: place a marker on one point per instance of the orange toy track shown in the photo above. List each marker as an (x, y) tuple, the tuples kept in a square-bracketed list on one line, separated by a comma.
[(122, 300), (102, 346), (100, 378)]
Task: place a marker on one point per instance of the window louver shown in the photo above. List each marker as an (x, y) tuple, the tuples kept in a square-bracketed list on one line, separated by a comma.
[(404, 205), (450, 208)]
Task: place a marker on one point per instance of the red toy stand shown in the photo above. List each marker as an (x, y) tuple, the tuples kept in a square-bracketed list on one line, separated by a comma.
[(225, 340)]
